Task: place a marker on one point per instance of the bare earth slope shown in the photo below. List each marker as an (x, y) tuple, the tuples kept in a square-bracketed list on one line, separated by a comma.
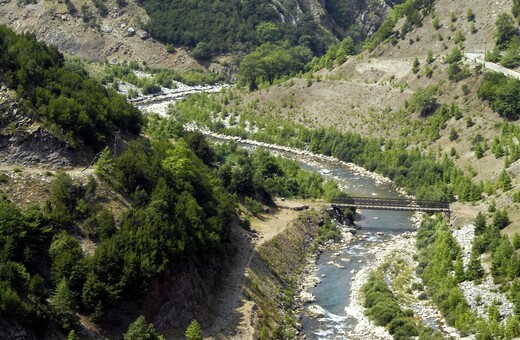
[(111, 38)]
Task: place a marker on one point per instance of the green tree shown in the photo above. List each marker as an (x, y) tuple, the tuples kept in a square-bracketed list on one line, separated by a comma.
[(193, 332), (63, 198), (470, 15), (506, 30), (454, 56), (424, 101), (511, 57), (415, 66), (201, 51), (64, 305), (72, 336), (504, 181), (501, 219), (516, 241), (479, 151), (429, 57), (453, 16), (66, 255), (104, 167), (453, 134), (474, 270), (480, 224), (458, 268), (141, 330), (436, 22)]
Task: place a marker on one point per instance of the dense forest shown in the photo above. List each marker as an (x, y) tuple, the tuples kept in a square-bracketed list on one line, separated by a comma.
[(72, 105), (183, 198), (218, 27)]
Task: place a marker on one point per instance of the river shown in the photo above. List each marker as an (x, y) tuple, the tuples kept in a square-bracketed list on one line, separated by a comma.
[(337, 268)]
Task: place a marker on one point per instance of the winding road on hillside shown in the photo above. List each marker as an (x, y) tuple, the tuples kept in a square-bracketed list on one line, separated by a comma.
[(478, 58)]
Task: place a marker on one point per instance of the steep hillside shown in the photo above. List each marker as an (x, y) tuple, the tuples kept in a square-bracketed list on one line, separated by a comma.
[(369, 93), (120, 30), (78, 28)]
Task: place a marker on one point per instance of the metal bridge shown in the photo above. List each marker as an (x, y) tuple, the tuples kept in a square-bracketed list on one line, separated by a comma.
[(403, 204)]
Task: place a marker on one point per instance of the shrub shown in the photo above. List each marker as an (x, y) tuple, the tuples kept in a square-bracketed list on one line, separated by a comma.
[(470, 15)]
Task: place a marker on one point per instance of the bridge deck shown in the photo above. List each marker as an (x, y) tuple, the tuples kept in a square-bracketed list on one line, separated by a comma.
[(403, 204)]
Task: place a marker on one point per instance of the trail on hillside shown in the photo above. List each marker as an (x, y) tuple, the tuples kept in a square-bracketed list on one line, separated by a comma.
[(479, 59), (232, 310)]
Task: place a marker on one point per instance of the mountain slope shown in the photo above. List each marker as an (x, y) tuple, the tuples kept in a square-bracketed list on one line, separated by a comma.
[(110, 30)]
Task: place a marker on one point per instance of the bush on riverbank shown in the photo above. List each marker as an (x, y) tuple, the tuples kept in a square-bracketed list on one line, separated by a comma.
[(383, 308)]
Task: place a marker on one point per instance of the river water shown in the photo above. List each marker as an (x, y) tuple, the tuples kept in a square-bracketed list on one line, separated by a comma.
[(337, 268)]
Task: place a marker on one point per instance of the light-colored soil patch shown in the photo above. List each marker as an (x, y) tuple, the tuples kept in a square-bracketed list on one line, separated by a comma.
[(267, 225), (397, 67)]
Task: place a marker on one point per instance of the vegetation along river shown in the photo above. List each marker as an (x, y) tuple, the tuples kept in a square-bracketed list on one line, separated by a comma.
[(336, 268)]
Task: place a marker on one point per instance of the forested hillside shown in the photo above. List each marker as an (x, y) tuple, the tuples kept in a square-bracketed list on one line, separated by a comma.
[(82, 254), (217, 27), (60, 94)]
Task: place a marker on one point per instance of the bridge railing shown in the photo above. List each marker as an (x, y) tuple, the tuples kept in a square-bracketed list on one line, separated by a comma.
[(391, 202)]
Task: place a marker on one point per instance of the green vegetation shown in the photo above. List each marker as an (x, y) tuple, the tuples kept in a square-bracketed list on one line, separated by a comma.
[(336, 54), (180, 212), (141, 330), (440, 270), (270, 61), (516, 9), (158, 76), (74, 106), (424, 101), (502, 93), (507, 48), (420, 173), (216, 27), (506, 30), (194, 332), (470, 15), (438, 252), (383, 308), (256, 176), (456, 70)]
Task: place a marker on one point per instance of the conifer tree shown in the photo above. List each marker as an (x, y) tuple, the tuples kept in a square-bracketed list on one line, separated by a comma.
[(194, 331)]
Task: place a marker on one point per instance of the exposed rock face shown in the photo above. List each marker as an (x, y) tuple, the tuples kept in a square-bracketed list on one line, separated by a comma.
[(114, 36), (335, 16)]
